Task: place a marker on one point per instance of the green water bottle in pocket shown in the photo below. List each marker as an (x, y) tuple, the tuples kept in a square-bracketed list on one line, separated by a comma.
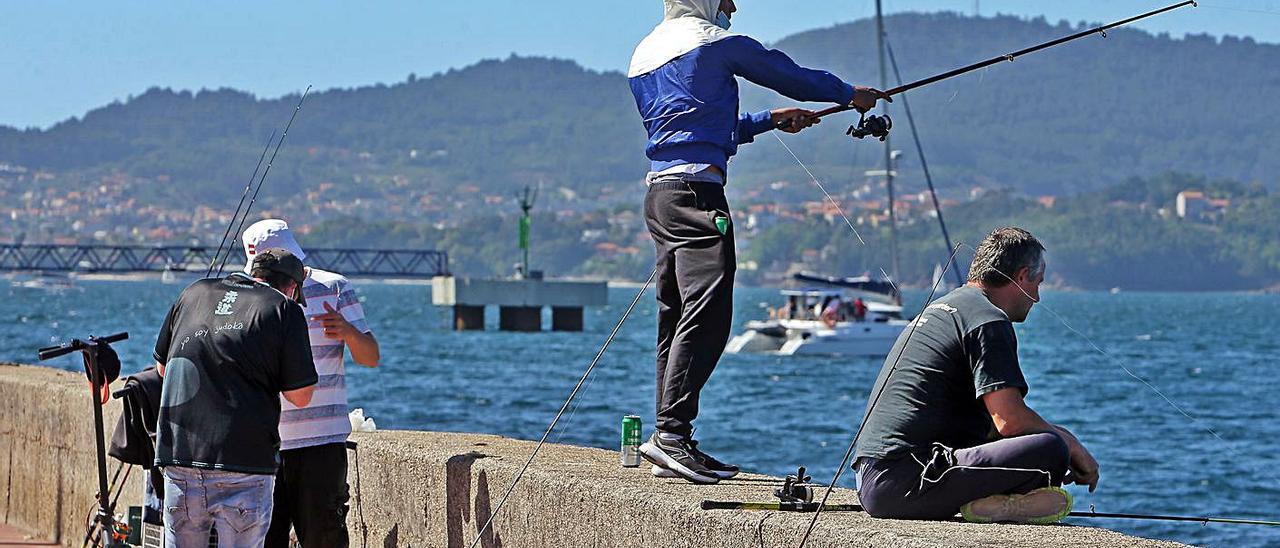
[(722, 224)]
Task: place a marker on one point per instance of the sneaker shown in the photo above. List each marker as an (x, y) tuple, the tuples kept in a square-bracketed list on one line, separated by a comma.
[(720, 469), (660, 472), (1042, 506), (678, 457)]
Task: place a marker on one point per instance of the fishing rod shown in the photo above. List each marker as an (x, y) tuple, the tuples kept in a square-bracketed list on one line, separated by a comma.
[(813, 507), (214, 261), (877, 126), (555, 420), (261, 180)]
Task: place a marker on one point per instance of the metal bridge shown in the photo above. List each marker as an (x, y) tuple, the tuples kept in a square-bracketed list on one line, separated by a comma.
[(389, 263)]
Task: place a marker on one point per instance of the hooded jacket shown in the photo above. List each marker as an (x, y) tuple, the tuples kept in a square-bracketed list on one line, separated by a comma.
[(683, 78)]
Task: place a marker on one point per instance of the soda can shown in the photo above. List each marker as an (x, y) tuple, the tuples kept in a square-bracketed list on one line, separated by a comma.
[(630, 441)]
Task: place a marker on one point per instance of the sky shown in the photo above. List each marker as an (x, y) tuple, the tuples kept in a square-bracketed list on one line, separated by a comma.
[(60, 59)]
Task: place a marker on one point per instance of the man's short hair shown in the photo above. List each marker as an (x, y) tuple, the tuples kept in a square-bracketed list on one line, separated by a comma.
[(1003, 253), (274, 279)]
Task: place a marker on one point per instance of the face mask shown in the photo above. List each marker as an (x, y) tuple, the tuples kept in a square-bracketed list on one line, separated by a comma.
[(722, 20)]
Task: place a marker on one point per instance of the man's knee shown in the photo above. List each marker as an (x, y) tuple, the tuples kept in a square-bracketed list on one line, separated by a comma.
[(1052, 448)]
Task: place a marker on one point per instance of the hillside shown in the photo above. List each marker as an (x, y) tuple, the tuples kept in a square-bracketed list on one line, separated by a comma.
[(1076, 117)]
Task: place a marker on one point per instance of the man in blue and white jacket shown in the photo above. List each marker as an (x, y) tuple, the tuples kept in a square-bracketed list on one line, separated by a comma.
[(683, 78)]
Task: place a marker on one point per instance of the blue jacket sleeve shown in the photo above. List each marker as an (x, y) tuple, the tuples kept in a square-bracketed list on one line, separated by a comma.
[(752, 124), (773, 69)]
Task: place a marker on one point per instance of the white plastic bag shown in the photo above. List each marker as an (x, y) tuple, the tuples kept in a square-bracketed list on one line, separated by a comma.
[(360, 423)]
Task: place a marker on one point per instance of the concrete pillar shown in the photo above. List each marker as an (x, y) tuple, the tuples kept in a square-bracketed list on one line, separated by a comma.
[(520, 318), (468, 318), (566, 318)]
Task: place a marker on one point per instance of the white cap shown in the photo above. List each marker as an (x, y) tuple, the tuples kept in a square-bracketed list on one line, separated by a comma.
[(269, 233)]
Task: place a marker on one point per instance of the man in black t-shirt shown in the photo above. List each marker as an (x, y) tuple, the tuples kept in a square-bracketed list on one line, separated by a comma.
[(946, 428), (228, 348)]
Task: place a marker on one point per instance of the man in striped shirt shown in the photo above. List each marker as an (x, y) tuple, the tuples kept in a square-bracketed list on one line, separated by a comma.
[(311, 488)]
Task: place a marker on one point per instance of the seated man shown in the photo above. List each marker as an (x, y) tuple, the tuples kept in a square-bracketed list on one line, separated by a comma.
[(950, 431)]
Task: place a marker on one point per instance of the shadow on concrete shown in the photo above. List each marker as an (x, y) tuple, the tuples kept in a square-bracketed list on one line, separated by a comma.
[(484, 510), (458, 504), (392, 539)]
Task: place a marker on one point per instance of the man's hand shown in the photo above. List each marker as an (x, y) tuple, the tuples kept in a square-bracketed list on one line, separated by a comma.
[(1084, 468), (792, 120), (864, 98), (335, 326)]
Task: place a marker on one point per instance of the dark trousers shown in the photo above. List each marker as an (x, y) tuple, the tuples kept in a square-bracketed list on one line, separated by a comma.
[(933, 483), (696, 264), (311, 496)]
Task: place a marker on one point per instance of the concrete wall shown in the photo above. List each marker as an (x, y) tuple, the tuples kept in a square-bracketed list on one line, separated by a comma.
[(48, 471), (430, 489)]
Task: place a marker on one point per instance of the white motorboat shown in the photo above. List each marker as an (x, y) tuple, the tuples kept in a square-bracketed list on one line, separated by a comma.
[(862, 323)]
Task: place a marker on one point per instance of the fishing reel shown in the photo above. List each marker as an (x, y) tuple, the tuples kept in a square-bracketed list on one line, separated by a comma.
[(877, 126), (796, 488)]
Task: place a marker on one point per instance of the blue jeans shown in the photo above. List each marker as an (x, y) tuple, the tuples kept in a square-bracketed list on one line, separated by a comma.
[(196, 500)]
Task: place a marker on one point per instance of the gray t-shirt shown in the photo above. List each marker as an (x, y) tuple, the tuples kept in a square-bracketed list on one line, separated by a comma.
[(959, 348)]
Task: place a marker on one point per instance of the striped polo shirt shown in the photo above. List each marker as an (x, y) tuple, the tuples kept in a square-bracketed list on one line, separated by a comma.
[(324, 420)]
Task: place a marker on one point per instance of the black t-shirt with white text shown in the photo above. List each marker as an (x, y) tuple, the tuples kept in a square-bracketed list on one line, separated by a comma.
[(229, 346), (958, 349)]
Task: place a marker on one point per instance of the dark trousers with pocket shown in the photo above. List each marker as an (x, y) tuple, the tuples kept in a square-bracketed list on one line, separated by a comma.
[(311, 497), (696, 264), (934, 482)]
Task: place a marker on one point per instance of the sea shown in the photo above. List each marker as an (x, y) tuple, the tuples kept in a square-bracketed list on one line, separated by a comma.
[(1174, 393)]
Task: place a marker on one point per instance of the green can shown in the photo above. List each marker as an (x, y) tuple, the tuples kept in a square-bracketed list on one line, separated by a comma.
[(630, 441)]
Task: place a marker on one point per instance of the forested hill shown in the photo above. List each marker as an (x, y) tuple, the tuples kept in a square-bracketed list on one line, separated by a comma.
[(1077, 117)]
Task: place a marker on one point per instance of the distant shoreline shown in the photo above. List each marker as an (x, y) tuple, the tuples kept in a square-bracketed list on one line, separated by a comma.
[(187, 278)]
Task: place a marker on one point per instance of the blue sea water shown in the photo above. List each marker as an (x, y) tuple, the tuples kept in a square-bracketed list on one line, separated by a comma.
[(1216, 355)]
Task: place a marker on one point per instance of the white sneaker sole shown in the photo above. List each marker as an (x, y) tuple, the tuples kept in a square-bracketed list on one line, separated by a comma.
[(660, 472), (661, 460)]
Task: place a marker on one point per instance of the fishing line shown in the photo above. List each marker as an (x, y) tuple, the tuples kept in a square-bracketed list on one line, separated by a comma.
[(823, 189), (243, 195), (263, 179), (857, 434), (1246, 10), (585, 375)]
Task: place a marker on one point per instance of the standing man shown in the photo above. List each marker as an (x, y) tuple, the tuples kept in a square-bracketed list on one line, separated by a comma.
[(311, 488), (229, 349), (946, 428), (683, 78)]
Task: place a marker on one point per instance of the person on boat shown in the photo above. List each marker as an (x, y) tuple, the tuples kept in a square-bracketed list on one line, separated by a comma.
[(946, 429), (832, 311), (859, 309), (229, 350), (311, 491), (683, 78)]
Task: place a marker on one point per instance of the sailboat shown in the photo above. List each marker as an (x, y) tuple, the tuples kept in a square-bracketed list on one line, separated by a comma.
[(845, 316)]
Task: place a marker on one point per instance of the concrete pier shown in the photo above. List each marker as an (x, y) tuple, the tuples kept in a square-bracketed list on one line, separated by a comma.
[(436, 489), (519, 302)]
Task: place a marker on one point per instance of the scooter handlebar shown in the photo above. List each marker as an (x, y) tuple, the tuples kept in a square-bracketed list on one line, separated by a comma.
[(50, 352)]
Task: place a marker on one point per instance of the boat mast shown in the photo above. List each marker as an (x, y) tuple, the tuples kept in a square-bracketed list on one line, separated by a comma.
[(888, 154)]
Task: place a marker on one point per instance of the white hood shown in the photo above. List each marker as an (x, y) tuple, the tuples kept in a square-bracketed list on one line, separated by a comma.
[(686, 25)]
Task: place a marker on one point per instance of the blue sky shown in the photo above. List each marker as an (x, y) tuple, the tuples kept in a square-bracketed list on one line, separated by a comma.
[(60, 58)]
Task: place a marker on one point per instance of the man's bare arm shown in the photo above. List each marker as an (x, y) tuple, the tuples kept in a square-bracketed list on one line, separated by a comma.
[(364, 347), (299, 397), (1012, 418)]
